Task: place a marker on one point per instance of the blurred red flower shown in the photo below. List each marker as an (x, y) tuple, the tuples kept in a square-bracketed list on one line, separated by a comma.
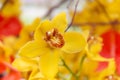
[(12, 75), (9, 26), (111, 49)]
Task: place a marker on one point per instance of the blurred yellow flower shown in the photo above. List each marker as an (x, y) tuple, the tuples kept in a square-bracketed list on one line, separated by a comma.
[(25, 64), (28, 67), (26, 34), (93, 49), (7, 50), (12, 8)]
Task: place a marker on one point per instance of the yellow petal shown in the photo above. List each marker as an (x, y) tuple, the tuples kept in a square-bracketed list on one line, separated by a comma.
[(23, 38), (24, 64), (33, 49), (49, 64), (60, 22), (110, 70), (96, 57), (34, 25), (86, 34), (107, 72), (91, 69), (74, 42), (36, 75), (44, 27)]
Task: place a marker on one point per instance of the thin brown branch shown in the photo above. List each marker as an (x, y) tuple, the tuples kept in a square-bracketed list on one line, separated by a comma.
[(97, 23), (73, 15), (53, 8)]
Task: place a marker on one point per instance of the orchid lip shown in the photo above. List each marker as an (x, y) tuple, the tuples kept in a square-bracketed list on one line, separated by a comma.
[(54, 38)]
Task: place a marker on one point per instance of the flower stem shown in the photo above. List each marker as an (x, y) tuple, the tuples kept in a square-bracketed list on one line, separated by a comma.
[(81, 63), (66, 66)]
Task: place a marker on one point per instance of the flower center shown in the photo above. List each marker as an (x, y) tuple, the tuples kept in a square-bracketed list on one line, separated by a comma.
[(111, 77), (54, 38)]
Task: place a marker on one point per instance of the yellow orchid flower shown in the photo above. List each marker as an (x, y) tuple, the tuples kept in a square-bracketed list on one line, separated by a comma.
[(50, 39), (93, 58), (93, 48)]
